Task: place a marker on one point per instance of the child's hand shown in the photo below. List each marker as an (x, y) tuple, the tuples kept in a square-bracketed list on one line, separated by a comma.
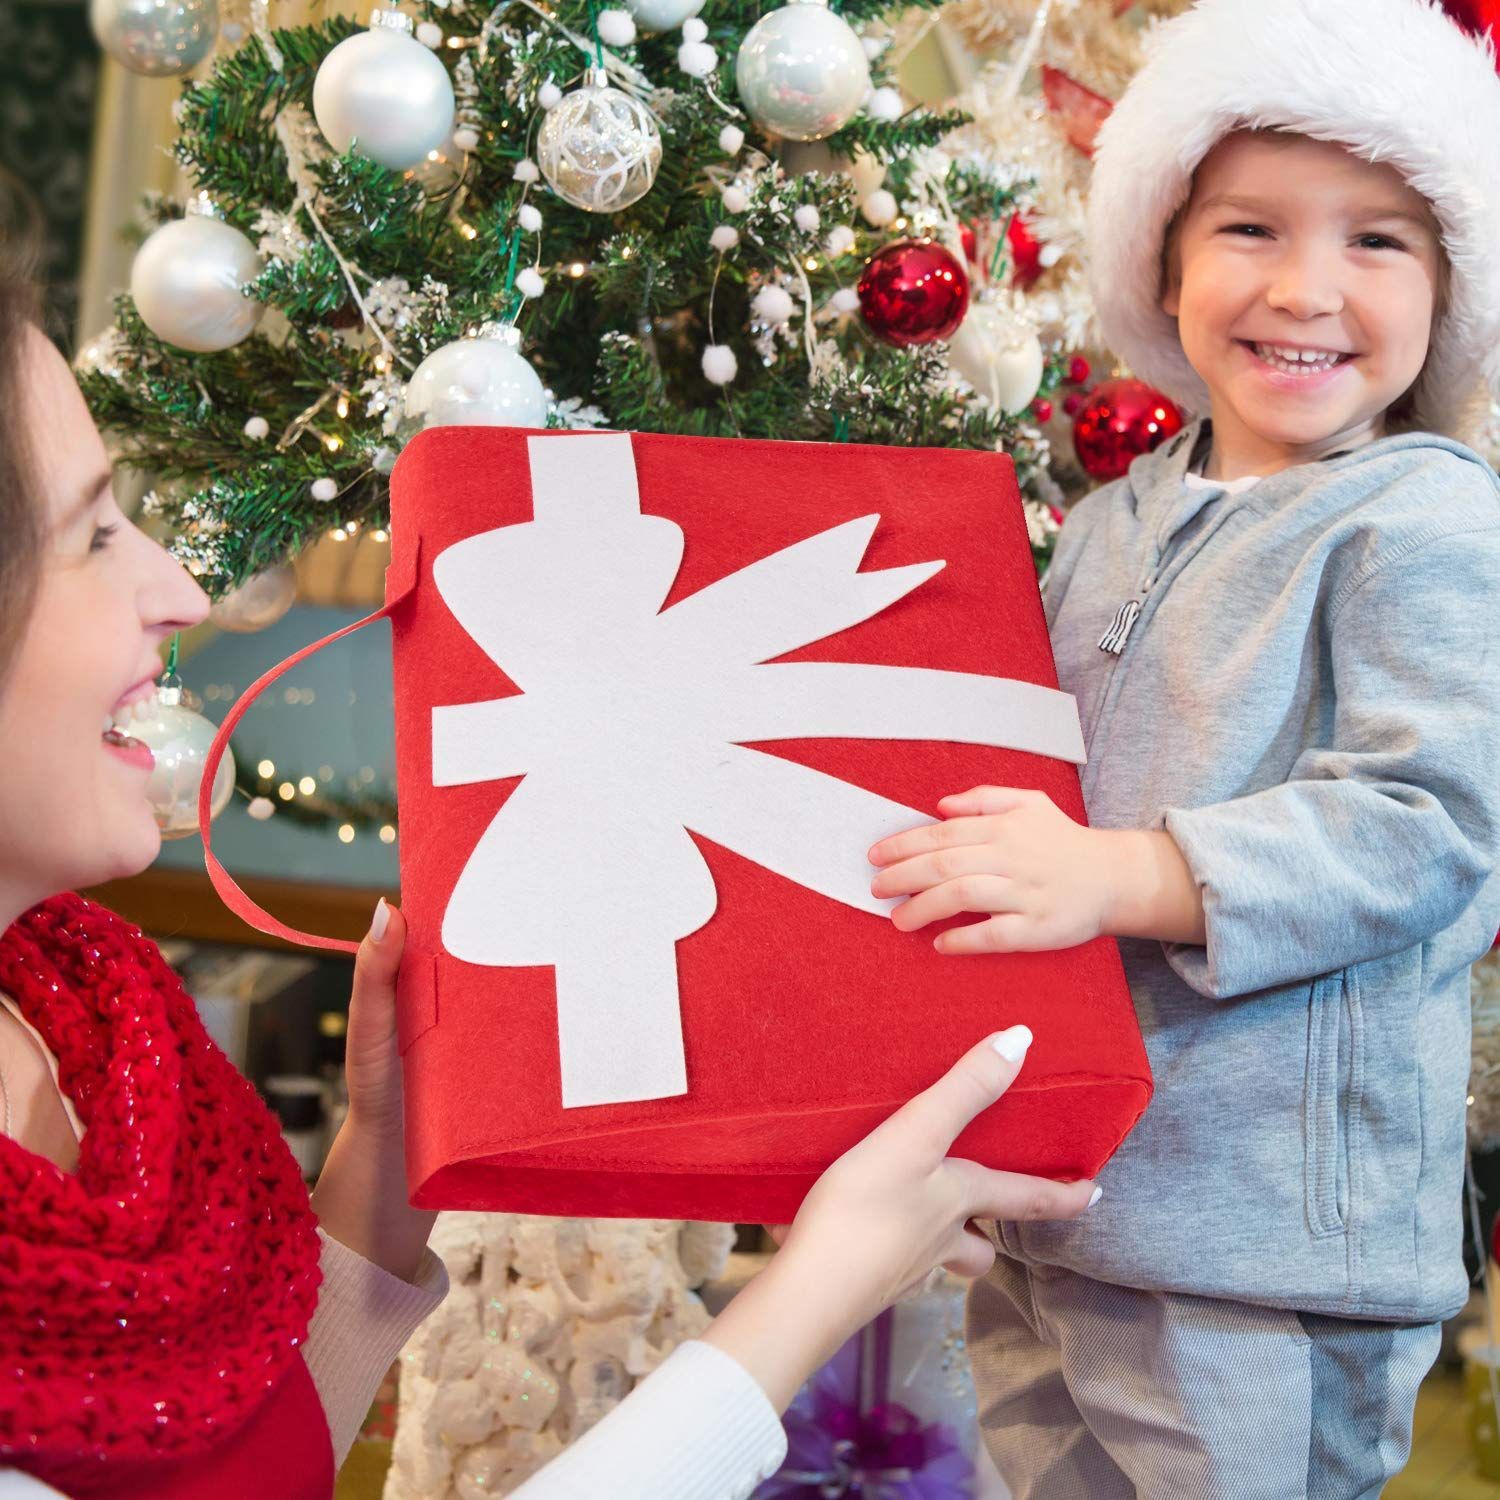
[(1044, 881)]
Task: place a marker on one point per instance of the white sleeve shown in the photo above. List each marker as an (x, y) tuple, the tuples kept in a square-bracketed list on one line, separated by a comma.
[(362, 1321), (698, 1428), (14, 1485)]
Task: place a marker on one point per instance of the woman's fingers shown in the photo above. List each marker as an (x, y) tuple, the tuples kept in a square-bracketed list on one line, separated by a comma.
[(989, 1194), (974, 893), (938, 1115), (974, 1255)]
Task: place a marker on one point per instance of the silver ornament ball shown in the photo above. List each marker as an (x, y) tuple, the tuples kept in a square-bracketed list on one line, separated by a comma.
[(260, 601), (187, 281), (159, 38), (480, 382), (801, 71), (179, 737), (662, 15), (385, 95), (599, 148)]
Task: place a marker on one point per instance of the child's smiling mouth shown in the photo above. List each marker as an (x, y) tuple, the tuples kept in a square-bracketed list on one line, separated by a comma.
[(1294, 364)]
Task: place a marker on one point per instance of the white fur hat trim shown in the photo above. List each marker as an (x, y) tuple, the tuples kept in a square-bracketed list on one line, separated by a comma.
[(1393, 80)]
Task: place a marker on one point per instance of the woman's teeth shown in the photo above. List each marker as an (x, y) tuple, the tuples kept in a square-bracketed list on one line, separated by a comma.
[(119, 719), (1298, 361)]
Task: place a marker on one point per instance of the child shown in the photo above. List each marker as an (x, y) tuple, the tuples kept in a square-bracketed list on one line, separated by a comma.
[(1281, 628)]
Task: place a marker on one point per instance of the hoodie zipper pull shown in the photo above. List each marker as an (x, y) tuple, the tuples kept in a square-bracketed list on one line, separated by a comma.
[(1115, 638)]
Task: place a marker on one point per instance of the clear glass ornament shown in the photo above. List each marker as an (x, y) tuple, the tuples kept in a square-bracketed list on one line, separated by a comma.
[(478, 382), (599, 148), (384, 94), (179, 737), (801, 71), (188, 280), (158, 38), (260, 601)]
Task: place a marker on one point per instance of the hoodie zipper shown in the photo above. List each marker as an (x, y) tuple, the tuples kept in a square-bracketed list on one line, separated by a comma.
[(1114, 640)]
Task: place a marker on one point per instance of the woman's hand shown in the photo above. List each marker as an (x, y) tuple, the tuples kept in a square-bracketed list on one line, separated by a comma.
[(878, 1221), (361, 1196)]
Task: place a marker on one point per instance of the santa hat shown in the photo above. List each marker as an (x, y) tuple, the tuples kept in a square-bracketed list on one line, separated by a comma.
[(1394, 81)]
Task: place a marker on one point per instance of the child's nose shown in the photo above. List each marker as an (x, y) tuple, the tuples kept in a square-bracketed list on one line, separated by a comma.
[(1305, 287)]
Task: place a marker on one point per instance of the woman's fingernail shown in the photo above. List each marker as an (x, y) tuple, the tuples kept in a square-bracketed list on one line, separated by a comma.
[(380, 921), (1012, 1044), (1095, 1196)]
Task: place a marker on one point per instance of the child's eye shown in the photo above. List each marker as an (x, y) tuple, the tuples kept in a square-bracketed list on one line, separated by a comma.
[(101, 537), (1246, 229), (1379, 242)]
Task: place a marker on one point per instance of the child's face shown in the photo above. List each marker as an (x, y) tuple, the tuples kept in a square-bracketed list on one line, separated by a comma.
[(1293, 244)]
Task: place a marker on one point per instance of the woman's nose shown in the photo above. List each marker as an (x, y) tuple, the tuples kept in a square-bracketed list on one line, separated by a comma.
[(170, 598)]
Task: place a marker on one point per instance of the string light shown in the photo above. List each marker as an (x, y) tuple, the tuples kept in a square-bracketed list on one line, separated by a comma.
[(307, 786), (267, 769), (346, 833), (343, 406), (468, 231), (381, 534), (387, 834), (577, 269), (339, 534), (286, 791), (333, 444)]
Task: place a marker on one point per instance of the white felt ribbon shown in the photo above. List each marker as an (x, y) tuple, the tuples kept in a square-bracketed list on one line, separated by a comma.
[(630, 730)]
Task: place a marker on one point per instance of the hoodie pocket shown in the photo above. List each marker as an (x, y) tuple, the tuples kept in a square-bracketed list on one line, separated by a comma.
[(1332, 1100)]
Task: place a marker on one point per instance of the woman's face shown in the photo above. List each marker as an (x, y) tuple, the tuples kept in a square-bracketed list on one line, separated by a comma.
[(73, 807)]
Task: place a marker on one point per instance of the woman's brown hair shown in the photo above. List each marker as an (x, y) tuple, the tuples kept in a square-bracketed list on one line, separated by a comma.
[(21, 522)]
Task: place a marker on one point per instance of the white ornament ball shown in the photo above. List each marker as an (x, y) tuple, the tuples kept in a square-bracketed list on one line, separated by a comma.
[(186, 280), (694, 30), (806, 218), (840, 239), (481, 382), (719, 364), (260, 808), (260, 601), (179, 738), (1000, 360), (801, 71), (323, 489), (530, 282), (600, 148), (662, 15), (845, 300), (526, 170), (549, 96), (772, 304), (385, 95), (865, 171), (731, 138), (257, 428), (159, 38), (466, 138), (735, 199), (697, 59), (430, 34), (874, 45), (530, 217), (880, 208), (885, 104), (725, 237), (616, 28)]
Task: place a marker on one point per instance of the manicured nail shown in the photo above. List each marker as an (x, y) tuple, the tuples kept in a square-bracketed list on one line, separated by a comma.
[(1095, 1196), (1012, 1044), (380, 921)]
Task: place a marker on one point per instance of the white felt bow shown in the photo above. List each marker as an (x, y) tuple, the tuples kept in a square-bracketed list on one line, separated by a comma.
[(630, 729)]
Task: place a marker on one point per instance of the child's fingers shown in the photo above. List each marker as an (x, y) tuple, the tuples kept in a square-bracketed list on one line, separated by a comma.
[(979, 800), (1009, 932), (929, 837), (926, 870), (974, 893)]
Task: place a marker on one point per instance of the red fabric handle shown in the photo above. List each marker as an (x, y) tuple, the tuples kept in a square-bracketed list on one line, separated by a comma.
[(223, 882)]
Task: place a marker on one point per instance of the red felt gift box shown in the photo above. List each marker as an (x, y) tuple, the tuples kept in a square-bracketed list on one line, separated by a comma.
[(655, 698)]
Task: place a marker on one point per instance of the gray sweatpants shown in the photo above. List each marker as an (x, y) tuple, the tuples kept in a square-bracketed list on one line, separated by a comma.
[(1105, 1392)]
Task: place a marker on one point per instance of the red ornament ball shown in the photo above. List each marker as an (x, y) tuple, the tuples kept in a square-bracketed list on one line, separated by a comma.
[(1042, 410), (1121, 420), (913, 292), (1072, 403), (969, 240), (1025, 251), (1078, 370)]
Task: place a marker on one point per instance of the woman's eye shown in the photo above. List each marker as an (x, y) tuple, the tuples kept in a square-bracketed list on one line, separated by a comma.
[(101, 537)]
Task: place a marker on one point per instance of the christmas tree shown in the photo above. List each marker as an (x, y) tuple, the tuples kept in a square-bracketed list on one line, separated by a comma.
[(553, 215)]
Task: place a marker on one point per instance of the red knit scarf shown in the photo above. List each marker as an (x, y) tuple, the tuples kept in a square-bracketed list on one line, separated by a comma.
[(149, 1301)]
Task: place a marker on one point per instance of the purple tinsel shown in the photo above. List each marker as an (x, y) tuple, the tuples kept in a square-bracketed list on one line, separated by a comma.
[(845, 1438)]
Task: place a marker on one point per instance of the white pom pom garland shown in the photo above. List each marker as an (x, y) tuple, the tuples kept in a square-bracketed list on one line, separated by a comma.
[(549, 96), (257, 428), (527, 170), (530, 282), (324, 489), (530, 217), (879, 208), (731, 138), (772, 304), (845, 300), (616, 28), (694, 30), (840, 239), (697, 59), (725, 237), (885, 104), (719, 364), (735, 199), (806, 218)]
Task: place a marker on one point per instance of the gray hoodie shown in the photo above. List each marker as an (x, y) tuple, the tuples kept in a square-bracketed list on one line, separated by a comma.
[(1309, 703)]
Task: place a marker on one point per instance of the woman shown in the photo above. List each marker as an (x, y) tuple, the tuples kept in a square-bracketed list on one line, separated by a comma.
[(174, 1321)]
